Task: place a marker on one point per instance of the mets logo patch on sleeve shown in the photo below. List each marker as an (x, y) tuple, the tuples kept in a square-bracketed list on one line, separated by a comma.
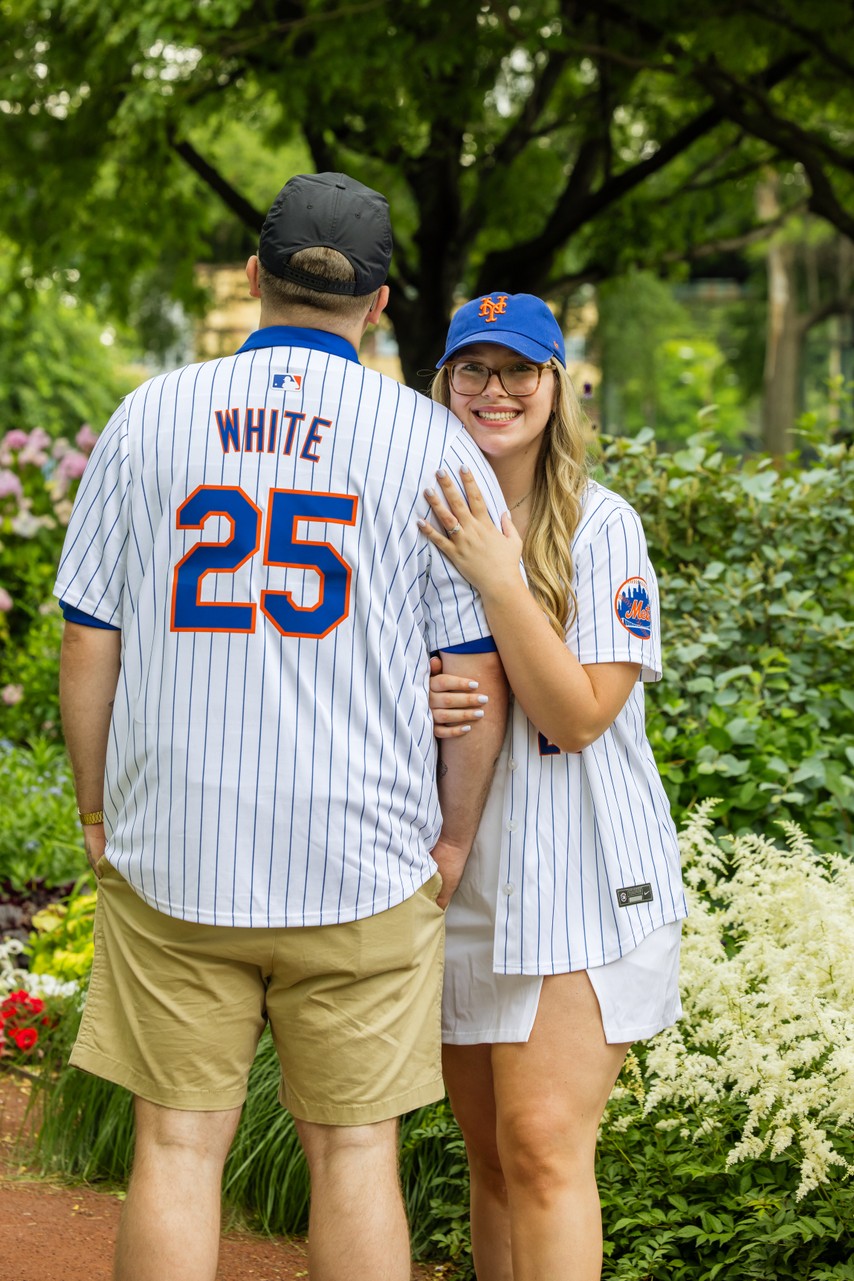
[(633, 609)]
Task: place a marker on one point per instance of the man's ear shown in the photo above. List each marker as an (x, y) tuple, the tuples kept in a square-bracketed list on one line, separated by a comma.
[(252, 276), (380, 304)]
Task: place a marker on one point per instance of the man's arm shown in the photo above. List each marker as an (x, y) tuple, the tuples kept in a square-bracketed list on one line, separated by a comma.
[(88, 675), (466, 766)]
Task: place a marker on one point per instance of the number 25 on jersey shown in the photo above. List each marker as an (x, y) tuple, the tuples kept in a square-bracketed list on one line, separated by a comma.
[(286, 509)]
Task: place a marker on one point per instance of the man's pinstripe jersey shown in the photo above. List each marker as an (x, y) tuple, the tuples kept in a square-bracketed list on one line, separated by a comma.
[(579, 828), (250, 525)]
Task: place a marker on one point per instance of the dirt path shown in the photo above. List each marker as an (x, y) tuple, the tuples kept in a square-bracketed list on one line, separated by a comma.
[(54, 1232)]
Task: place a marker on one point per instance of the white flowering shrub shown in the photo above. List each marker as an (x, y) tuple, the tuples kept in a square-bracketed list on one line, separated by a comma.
[(14, 978), (727, 1149), (768, 976)]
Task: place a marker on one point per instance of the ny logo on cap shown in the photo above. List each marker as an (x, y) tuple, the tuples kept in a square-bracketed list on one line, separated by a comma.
[(491, 309)]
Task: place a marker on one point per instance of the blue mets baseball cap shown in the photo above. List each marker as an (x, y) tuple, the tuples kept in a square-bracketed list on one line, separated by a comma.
[(334, 211), (521, 322)]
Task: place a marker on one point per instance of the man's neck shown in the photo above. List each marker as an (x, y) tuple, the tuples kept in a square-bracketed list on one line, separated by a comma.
[(306, 319)]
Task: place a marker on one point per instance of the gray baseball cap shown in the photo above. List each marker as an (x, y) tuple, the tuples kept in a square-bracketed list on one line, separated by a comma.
[(331, 210)]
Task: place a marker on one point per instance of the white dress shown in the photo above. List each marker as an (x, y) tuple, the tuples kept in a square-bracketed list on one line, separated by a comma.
[(638, 993)]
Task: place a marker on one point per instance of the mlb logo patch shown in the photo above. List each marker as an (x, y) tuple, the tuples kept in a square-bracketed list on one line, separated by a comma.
[(632, 607), (287, 381)]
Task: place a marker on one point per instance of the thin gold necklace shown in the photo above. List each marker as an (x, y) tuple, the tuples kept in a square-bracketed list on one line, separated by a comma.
[(521, 501)]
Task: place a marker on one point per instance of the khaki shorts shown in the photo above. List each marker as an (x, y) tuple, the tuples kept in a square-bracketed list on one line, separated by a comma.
[(175, 1009)]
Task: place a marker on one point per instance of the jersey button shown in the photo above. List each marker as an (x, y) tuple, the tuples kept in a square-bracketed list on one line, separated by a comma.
[(512, 825), (511, 764), (508, 888)]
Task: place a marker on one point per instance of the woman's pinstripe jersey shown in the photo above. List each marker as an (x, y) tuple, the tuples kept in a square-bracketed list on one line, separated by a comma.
[(589, 859), (250, 525)]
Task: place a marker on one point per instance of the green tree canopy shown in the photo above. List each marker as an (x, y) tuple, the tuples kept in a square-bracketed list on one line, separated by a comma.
[(522, 147)]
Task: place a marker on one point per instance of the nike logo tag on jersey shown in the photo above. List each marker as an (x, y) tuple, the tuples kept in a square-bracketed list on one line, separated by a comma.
[(633, 894)]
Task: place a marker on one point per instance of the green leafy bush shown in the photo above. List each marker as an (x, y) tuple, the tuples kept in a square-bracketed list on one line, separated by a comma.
[(40, 836), (756, 570), (56, 368), (62, 943)]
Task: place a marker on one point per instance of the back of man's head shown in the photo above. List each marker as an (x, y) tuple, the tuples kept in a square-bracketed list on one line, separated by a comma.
[(325, 246)]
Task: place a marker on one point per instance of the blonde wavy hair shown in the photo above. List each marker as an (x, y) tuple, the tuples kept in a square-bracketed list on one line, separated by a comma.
[(559, 482)]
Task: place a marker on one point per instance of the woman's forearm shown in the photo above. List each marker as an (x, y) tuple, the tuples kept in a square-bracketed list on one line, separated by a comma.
[(571, 704)]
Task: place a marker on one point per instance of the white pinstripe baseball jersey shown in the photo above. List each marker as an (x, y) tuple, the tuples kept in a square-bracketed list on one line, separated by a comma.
[(250, 525), (589, 860)]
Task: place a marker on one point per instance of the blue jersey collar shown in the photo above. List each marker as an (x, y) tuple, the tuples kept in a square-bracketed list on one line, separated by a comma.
[(292, 336)]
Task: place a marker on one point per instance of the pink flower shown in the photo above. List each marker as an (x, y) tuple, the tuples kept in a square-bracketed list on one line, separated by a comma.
[(60, 447), (39, 439), (10, 485), (6, 601), (85, 439), (12, 694), (72, 465), (32, 455), (15, 439)]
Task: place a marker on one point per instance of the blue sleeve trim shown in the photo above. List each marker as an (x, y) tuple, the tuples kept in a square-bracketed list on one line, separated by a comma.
[(72, 615), (486, 645)]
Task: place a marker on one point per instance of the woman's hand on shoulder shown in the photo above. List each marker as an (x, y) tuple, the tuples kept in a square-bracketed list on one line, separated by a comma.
[(454, 702), (486, 555)]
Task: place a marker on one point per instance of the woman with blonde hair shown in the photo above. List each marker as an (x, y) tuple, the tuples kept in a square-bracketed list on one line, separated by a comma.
[(563, 936)]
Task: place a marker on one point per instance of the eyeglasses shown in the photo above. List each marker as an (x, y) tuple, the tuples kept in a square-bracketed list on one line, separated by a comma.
[(519, 378)]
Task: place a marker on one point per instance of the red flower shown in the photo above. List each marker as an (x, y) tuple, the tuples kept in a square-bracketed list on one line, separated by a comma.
[(25, 1038), (13, 1000)]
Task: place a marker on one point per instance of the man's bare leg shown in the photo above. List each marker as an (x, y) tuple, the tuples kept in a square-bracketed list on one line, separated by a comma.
[(357, 1227), (170, 1224)]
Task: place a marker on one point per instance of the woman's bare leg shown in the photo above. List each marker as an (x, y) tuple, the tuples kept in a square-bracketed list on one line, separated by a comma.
[(550, 1093), (468, 1077)]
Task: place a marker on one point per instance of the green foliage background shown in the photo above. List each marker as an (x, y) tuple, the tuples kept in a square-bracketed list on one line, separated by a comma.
[(55, 370)]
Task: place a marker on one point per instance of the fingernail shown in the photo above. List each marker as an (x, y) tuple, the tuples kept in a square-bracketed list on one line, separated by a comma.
[(441, 473), (465, 469), (465, 729), (478, 713), (429, 493), (422, 524), (472, 684), (483, 698)]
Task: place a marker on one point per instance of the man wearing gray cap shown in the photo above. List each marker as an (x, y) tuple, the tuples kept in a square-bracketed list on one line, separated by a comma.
[(250, 610)]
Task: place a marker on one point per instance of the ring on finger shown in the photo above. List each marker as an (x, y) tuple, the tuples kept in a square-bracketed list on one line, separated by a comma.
[(449, 533)]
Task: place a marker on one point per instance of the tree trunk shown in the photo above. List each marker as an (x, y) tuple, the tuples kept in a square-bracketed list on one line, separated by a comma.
[(783, 337), (781, 379), (420, 332)]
